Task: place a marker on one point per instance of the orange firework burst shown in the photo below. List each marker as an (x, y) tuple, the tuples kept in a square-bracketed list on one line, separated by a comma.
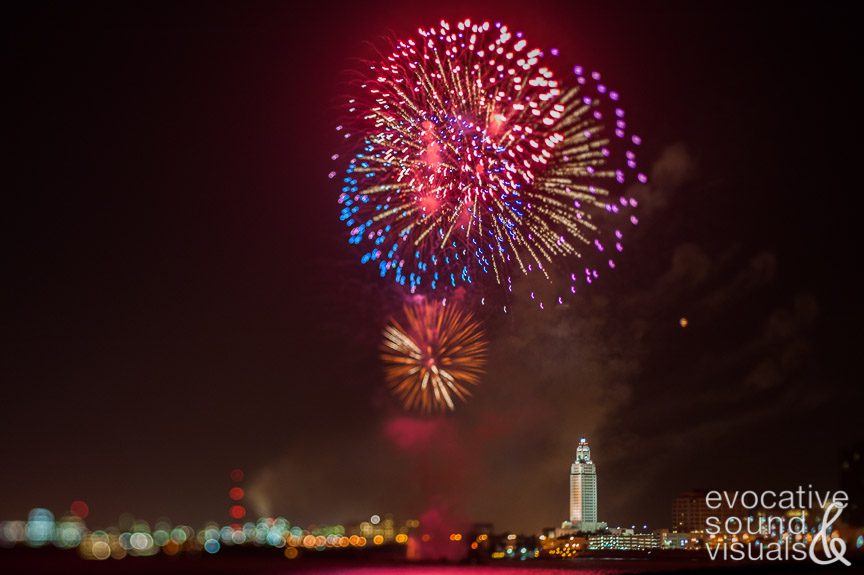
[(440, 351)]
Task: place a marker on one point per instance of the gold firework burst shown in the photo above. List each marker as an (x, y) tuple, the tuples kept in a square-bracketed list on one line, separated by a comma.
[(434, 356)]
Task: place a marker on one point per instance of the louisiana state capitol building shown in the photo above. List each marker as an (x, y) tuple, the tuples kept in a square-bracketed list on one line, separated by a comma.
[(583, 491)]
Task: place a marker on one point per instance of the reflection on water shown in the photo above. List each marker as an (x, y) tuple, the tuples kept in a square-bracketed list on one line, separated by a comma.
[(582, 566), (575, 567)]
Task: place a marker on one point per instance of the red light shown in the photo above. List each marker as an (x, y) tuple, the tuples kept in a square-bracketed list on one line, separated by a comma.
[(236, 475), (79, 509), (237, 511), (236, 493)]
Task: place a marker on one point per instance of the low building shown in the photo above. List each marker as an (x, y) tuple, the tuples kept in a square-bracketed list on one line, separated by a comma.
[(624, 540), (682, 541)]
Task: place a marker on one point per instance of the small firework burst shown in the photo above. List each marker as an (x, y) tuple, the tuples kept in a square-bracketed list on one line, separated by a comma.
[(433, 356)]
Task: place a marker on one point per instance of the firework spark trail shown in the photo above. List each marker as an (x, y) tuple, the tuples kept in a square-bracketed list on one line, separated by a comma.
[(433, 357), (475, 160)]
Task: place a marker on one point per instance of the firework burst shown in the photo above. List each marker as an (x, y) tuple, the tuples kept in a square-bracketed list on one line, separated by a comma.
[(434, 356), (474, 160)]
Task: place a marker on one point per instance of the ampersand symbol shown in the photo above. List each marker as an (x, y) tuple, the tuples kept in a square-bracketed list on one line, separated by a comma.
[(833, 549)]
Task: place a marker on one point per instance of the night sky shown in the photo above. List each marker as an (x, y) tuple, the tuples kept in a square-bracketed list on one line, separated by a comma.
[(180, 299)]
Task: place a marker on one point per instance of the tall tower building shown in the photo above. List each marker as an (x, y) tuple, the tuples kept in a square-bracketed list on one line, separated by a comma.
[(583, 490)]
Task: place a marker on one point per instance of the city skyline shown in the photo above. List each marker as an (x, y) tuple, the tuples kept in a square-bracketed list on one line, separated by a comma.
[(693, 514), (582, 507), (689, 509)]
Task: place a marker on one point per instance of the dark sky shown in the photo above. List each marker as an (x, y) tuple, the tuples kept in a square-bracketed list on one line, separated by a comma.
[(180, 299)]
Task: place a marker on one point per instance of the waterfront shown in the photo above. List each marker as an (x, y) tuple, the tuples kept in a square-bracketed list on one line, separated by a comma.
[(55, 561)]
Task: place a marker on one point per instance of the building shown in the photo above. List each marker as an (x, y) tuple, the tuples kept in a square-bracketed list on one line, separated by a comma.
[(583, 491), (690, 512), (682, 541), (624, 540), (852, 482)]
